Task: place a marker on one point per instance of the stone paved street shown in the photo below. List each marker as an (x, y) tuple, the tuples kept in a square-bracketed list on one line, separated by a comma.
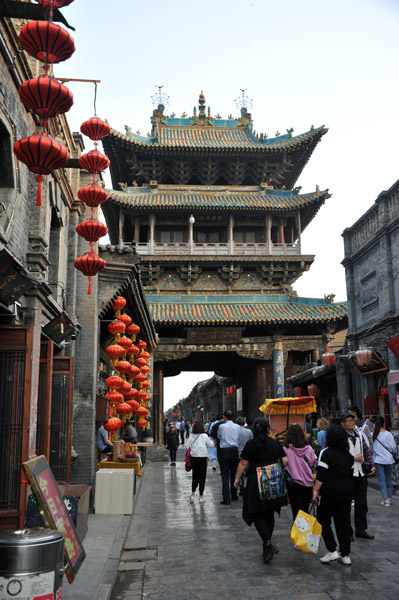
[(175, 550)]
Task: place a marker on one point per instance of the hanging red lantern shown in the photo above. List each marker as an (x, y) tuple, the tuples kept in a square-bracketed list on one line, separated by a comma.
[(133, 330), (124, 409), (114, 382), (145, 369), (140, 377), (140, 362), (125, 389), (299, 391), (313, 390), (363, 357), (142, 423), (123, 366), (145, 355), (133, 350), (125, 342), (116, 327), (96, 129), (133, 371), (114, 351), (94, 161), (42, 154), (46, 96), (46, 41), (328, 359), (91, 230), (56, 3), (113, 424), (125, 319), (141, 344), (131, 395), (142, 396), (142, 411), (92, 195), (114, 398), (133, 403), (145, 384), (89, 264), (119, 303)]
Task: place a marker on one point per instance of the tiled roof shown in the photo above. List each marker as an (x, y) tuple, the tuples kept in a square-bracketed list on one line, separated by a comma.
[(183, 134), (205, 199), (166, 310)]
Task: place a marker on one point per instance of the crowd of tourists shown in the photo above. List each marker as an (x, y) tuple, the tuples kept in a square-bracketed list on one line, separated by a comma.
[(329, 472)]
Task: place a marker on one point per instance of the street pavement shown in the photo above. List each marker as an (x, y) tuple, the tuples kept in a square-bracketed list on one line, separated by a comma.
[(175, 550)]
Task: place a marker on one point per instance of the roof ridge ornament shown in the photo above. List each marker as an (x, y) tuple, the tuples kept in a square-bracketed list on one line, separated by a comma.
[(160, 98)]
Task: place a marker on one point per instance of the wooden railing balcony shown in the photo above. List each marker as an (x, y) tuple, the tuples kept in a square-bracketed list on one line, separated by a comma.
[(211, 249)]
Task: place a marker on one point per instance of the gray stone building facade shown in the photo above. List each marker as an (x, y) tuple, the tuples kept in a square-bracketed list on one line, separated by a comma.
[(372, 278)]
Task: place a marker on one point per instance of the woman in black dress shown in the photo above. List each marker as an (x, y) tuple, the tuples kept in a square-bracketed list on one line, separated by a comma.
[(259, 452)]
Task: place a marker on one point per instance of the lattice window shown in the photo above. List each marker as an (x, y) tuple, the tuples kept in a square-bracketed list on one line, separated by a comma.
[(248, 236), (59, 425), (171, 236)]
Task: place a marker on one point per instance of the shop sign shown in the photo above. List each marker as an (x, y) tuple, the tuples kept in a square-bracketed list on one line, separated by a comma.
[(54, 512)]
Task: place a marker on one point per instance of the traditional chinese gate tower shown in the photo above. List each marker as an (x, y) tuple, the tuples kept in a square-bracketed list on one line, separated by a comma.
[(211, 208)]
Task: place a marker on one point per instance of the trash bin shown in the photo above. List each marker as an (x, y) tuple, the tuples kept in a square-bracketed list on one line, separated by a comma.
[(31, 564)]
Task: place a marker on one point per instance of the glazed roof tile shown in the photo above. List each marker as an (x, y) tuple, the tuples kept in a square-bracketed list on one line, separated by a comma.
[(167, 310), (181, 133), (220, 199)]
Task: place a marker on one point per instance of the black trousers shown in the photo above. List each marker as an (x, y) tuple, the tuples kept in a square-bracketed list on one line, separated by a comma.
[(228, 461), (172, 455), (182, 436), (198, 465), (360, 485), (264, 523), (300, 497), (339, 510)]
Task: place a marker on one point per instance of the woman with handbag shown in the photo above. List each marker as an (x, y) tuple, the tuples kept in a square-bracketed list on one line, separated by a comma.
[(261, 454), (334, 483), (199, 442), (384, 449), (301, 462)]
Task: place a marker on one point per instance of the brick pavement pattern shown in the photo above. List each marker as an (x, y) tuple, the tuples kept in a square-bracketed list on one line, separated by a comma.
[(175, 550)]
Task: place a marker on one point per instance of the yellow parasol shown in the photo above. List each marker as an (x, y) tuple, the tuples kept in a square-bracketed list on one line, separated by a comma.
[(302, 405)]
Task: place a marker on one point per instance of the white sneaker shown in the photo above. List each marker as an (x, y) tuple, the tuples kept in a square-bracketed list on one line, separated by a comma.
[(202, 500), (329, 557), (345, 560), (385, 503), (192, 498)]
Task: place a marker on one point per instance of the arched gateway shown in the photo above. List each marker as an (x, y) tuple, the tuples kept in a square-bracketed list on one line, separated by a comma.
[(212, 211)]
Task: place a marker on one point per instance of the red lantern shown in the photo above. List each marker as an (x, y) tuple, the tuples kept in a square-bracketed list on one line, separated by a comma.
[(92, 195), (133, 403), (116, 327), (125, 342), (91, 230), (363, 357), (114, 382), (133, 350), (131, 395), (299, 391), (140, 362), (46, 96), (142, 411), (113, 424), (56, 3), (89, 264), (123, 366), (134, 370), (140, 377), (141, 345), (124, 408), (313, 390), (119, 303), (46, 41), (125, 319), (95, 128), (145, 384), (145, 355), (42, 154), (145, 369), (94, 162), (114, 398), (142, 423), (142, 395), (328, 359), (133, 330), (114, 351), (125, 389)]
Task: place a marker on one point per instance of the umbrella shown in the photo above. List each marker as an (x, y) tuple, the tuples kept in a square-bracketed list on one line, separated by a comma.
[(302, 405)]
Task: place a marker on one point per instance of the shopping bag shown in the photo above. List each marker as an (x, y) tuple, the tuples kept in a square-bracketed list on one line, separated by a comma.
[(271, 482), (187, 460), (306, 532)]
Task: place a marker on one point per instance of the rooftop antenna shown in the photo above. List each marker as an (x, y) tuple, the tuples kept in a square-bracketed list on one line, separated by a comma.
[(243, 101), (159, 97)]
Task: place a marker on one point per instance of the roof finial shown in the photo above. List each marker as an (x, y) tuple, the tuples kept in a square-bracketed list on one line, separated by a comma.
[(201, 98), (159, 98), (201, 108), (243, 102)]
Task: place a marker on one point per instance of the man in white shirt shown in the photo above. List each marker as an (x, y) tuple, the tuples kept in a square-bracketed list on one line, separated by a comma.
[(229, 439)]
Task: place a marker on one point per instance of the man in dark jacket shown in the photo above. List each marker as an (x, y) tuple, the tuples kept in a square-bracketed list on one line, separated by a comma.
[(172, 444)]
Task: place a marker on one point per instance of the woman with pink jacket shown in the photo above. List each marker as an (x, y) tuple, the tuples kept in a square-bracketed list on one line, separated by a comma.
[(301, 462)]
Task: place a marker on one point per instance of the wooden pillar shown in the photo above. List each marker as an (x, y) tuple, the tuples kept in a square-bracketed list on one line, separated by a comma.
[(191, 222), (137, 232), (152, 233), (230, 234), (120, 236), (269, 234), (281, 233), (299, 233)]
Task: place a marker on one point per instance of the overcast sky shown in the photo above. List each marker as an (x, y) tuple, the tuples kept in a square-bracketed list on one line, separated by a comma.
[(303, 63)]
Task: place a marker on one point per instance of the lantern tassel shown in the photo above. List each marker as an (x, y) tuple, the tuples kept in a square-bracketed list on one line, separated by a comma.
[(89, 288), (39, 180)]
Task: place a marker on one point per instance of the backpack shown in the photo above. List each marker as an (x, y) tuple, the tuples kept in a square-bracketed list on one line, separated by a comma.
[(271, 481)]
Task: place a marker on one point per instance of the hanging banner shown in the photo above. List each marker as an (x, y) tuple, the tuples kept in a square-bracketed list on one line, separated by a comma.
[(278, 370)]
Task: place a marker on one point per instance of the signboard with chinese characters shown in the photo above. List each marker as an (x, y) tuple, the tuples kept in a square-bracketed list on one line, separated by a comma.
[(278, 368), (54, 512)]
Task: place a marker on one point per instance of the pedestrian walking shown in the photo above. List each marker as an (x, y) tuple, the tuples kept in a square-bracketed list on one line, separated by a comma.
[(245, 435), (301, 462), (259, 452), (172, 444), (228, 435), (182, 431), (384, 448), (358, 447), (334, 484), (200, 443), (322, 426)]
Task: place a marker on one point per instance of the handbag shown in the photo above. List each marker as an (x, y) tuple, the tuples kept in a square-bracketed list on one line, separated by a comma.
[(367, 467), (187, 460), (271, 481), (306, 532), (289, 480)]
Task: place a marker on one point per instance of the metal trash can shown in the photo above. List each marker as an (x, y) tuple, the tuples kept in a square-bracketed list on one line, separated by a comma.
[(31, 564)]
